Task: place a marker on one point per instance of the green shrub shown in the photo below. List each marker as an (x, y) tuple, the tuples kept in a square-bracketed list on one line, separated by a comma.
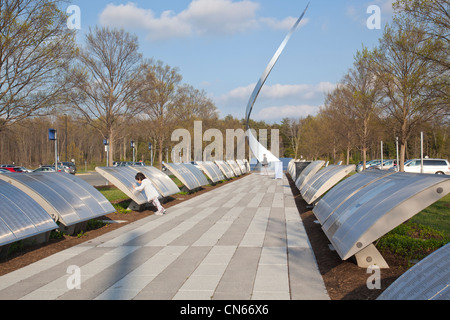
[(412, 241)]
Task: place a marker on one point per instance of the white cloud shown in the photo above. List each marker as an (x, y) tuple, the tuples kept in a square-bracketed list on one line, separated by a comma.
[(277, 101), (280, 91), (284, 24), (201, 17), (287, 111)]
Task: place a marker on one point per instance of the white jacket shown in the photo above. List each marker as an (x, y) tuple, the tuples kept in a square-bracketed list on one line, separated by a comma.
[(149, 190)]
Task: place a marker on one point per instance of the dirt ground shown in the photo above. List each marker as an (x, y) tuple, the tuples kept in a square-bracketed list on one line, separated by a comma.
[(344, 280)]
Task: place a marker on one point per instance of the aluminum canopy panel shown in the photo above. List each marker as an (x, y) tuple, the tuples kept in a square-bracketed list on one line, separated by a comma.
[(184, 175), (427, 280), (242, 166), (323, 181), (235, 167), (211, 170), (165, 186), (380, 207), (87, 191), (71, 201), (124, 179), (20, 216), (225, 168), (308, 173), (198, 174), (247, 165), (344, 190)]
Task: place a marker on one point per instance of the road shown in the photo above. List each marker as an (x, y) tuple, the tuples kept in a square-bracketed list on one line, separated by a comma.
[(93, 178)]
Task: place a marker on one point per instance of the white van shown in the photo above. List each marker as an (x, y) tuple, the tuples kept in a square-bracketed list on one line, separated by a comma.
[(434, 166)]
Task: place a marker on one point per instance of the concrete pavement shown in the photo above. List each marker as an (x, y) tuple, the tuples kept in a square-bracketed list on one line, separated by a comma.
[(242, 241)]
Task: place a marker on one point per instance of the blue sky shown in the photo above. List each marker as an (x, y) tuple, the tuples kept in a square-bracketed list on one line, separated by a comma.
[(223, 46)]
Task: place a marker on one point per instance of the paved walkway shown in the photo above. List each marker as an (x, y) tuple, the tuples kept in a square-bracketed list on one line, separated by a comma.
[(242, 241)]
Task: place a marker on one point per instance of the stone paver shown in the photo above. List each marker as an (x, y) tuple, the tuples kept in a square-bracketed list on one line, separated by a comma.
[(241, 241)]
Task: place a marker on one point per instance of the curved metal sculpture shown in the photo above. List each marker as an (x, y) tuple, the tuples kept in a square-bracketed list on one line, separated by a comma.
[(256, 147)]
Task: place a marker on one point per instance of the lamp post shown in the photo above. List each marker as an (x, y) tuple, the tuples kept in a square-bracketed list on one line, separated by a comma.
[(52, 137), (106, 143), (150, 147), (133, 147)]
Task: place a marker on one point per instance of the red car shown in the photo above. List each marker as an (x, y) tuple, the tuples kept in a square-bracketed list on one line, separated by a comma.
[(13, 169)]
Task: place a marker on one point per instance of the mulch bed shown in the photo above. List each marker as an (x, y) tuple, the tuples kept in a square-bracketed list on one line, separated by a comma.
[(344, 280)]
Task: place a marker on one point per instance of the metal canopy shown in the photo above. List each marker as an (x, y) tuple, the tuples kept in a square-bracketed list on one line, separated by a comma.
[(308, 173), (124, 179), (344, 190), (427, 280), (184, 175), (61, 195), (323, 181), (225, 168), (379, 207), (198, 174), (235, 167), (211, 170), (242, 166), (87, 191), (247, 165), (21, 217), (165, 186)]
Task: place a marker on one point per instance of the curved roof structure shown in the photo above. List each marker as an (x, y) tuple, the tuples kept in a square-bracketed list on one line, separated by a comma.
[(323, 181), (379, 207), (66, 198), (235, 167), (165, 186), (427, 280), (124, 179), (21, 217), (308, 173), (242, 166), (225, 168), (183, 174), (198, 174), (211, 170), (344, 190)]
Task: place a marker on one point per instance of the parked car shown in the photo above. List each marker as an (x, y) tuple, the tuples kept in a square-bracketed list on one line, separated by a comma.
[(72, 167), (68, 167), (45, 169), (369, 163), (433, 166), (387, 164), (49, 168), (130, 163), (2, 170), (13, 169)]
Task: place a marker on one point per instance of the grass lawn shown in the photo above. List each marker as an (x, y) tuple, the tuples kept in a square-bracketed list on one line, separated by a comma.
[(436, 216)]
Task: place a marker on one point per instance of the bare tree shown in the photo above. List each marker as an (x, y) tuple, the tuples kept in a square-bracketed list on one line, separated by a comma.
[(36, 48), (408, 80), (344, 125), (108, 81), (432, 18), (362, 94), (159, 96)]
